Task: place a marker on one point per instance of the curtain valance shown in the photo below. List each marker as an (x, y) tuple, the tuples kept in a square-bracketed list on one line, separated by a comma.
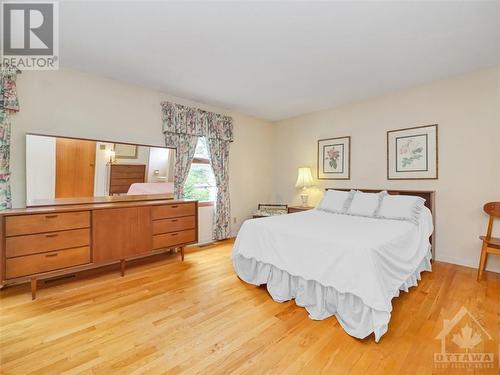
[(180, 119)]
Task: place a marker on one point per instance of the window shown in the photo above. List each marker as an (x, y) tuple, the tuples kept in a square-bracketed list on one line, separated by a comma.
[(200, 184)]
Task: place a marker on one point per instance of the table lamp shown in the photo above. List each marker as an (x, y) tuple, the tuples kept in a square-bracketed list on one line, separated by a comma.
[(304, 180)]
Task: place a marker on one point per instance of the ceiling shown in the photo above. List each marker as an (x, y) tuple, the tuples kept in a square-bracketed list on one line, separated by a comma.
[(275, 60)]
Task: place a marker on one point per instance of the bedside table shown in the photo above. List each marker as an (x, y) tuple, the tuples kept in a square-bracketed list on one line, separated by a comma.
[(292, 209)]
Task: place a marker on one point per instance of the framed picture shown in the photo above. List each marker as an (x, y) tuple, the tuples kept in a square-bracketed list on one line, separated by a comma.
[(124, 151), (412, 154), (334, 158)]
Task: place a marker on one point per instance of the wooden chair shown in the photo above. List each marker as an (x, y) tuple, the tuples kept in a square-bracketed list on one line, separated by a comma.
[(491, 245)]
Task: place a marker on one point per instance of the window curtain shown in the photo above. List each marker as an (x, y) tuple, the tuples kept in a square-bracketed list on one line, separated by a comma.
[(219, 159), (8, 104), (182, 126), (185, 146)]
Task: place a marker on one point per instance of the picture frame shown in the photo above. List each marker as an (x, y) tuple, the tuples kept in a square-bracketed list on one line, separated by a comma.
[(125, 151), (412, 153), (334, 158)]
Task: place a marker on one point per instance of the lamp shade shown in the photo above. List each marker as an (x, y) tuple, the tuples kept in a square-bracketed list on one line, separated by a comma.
[(304, 178)]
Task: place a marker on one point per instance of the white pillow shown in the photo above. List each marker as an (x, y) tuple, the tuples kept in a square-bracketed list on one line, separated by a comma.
[(365, 204), (336, 201), (401, 207)]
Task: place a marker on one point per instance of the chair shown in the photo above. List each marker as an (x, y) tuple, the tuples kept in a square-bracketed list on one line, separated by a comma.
[(491, 245)]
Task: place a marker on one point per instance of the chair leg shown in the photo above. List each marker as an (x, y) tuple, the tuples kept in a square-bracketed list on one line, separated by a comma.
[(482, 262)]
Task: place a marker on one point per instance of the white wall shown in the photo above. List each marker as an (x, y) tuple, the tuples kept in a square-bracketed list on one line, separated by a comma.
[(76, 104), (467, 110), (159, 159), (101, 176), (250, 168), (40, 167)]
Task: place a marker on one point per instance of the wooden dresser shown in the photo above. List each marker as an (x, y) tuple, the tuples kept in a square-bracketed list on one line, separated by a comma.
[(121, 176), (50, 241)]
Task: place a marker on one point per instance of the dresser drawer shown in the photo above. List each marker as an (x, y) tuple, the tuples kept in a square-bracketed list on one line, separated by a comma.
[(174, 225), (173, 210), (130, 174), (173, 239), (125, 181), (31, 224), (128, 168), (40, 243), (32, 264)]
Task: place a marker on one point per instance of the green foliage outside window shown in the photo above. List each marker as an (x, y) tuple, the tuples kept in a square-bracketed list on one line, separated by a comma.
[(200, 183), (196, 186)]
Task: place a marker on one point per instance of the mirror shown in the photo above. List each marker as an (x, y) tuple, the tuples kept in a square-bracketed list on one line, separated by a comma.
[(61, 167)]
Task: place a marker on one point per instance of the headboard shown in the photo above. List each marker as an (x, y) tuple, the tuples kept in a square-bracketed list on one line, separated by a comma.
[(428, 195)]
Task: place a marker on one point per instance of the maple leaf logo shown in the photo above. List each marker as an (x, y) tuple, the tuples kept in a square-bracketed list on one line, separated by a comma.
[(467, 339)]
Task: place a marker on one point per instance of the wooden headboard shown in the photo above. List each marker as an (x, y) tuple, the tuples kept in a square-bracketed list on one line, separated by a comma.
[(428, 195)]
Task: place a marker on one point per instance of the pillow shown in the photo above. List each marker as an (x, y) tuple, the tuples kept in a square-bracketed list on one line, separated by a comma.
[(401, 207), (336, 201), (365, 204)]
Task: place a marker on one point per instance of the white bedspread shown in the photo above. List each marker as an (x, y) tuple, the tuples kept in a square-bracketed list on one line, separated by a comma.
[(326, 259)]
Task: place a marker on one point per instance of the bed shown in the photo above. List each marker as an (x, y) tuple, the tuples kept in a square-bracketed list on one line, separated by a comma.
[(337, 264), (146, 188)]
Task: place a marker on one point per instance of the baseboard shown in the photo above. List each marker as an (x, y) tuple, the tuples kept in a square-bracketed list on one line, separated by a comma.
[(466, 263)]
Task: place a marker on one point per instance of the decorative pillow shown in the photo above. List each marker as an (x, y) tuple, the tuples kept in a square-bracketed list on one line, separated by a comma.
[(401, 207), (336, 201), (365, 204)]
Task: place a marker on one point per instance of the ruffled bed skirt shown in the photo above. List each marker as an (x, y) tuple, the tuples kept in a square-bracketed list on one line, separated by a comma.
[(321, 302)]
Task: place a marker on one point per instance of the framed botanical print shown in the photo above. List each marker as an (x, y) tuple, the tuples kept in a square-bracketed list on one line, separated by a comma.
[(334, 158), (412, 154), (125, 151)]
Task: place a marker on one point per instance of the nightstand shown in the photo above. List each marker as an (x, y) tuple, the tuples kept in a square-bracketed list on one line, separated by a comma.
[(292, 209)]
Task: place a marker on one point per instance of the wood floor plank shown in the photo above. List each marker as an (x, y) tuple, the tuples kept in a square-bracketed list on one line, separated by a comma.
[(196, 316)]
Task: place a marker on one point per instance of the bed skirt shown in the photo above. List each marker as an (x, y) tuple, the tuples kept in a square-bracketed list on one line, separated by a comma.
[(321, 302)]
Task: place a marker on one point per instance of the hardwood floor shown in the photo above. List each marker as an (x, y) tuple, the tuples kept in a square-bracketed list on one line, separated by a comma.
[(196, 316)]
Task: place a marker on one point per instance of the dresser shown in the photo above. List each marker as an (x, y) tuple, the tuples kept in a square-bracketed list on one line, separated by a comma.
[(121, 176), (44, 242)]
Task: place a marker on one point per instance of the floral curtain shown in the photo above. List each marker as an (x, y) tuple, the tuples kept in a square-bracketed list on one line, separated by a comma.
[(219, 159), (180, 119), (8, 104), (185, 146), (182, 126)]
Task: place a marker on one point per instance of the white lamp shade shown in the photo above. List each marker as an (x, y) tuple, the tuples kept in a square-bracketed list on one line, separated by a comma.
[(304, 178)]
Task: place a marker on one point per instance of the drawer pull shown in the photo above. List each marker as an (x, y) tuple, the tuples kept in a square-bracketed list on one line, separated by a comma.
[(175, 220), (51, 216), (174, 206), (51, 235), (174, 234), (51, 255)]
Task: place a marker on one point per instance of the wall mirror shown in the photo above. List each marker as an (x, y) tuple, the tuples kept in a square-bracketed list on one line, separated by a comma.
[(62, 167)]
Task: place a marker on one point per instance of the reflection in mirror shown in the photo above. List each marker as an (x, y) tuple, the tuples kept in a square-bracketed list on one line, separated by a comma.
[(58, 167)]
